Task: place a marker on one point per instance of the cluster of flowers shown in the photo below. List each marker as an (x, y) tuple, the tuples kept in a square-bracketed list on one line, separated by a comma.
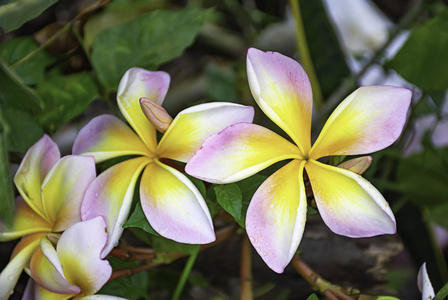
[(70, 219)]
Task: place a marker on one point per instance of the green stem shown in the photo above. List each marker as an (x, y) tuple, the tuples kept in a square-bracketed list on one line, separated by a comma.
[(41, 47), (442, 294), (184, 276), (304, 52)]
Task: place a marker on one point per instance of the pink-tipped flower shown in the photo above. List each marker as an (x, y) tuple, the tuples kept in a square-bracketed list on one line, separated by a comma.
[(51, 191), (172, 204), (73, 268), (368, 120)]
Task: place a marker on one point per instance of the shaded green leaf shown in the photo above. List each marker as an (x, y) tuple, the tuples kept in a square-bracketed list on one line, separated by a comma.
[(21, 129), (65, 97), (161, 244), (325, 50), (230, 198), (32, 71), (130, 287), (313, 297), (437, 214), (16, 12), (15, 94), (6, 188), (138, 219), (147, 42), (221, 83), (422, 60)]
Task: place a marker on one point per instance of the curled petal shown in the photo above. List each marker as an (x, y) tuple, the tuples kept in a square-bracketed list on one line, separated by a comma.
[(349, 204), (105, 137), (26, 221), (19, 259), (135, 84), (174, 207), (64, 188), (193, 125), (282, 89), (368, 120), (79, 250), (33, 291), (358, 165), (424, 284), (37, 162), (239, 151), (110, 196), (276, 216), (46, 270)]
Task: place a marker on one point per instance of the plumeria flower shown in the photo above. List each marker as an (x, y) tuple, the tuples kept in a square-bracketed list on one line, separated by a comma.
[(172, 204), (51, 191), (424, 284), (72, 269), (369, 119)]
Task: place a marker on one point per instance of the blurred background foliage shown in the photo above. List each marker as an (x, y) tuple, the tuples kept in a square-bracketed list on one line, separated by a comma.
[(61, 61)]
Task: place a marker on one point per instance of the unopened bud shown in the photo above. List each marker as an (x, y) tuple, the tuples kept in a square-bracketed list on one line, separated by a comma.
[(358, 165), (156, 114)]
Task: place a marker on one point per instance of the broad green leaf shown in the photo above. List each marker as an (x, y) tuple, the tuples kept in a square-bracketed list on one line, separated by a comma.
[(65, 97), (131, 287), (161, 244), (20, 128), (6, 188), (32, 71), (422, 60), (312, 297), (138, 219), (147, 42), (230, 198), (15, 94), (220, 83), (13, 13), (326, 53)]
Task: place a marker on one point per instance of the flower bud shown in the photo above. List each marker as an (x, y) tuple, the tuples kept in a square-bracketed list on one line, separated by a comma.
[(358, 165), (156, 114)]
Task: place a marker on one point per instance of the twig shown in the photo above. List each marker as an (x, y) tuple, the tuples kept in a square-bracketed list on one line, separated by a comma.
[(246, 270)]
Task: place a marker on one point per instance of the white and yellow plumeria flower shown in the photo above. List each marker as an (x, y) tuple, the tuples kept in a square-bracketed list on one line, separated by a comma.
[(172, 204), (369, 119), (51, 192), (74, 268)]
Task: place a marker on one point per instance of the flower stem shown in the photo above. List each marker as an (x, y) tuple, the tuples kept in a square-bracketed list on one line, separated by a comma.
[(184, 276), (304, 52), (442, 294), (246, 270)]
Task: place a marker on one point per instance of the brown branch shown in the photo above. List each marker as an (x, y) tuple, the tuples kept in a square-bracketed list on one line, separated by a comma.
[(246, 269)]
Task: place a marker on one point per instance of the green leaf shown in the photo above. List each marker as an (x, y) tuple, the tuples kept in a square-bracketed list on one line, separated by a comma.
[(312, 297), (131, 287), (230, 198), (147, 42), (65, 97), (161, 244), (138, 219), (221, 83), (6, 188), (16, 12), (20, 128), (387, 298), (438, 213), (15, 94), (32, 71), (422, 60), (326, 53)]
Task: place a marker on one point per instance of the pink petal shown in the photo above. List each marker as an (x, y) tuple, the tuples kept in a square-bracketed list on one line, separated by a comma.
[(276, 216), (47, 271), (20, 258), (110, 196), (174, 207), (368, 120), (138, 83), (79, 250), (64, 188), (193, 125), (26, 221), (39, 159), (282, 89), (349, 204), (105, 137), (239, 151)]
